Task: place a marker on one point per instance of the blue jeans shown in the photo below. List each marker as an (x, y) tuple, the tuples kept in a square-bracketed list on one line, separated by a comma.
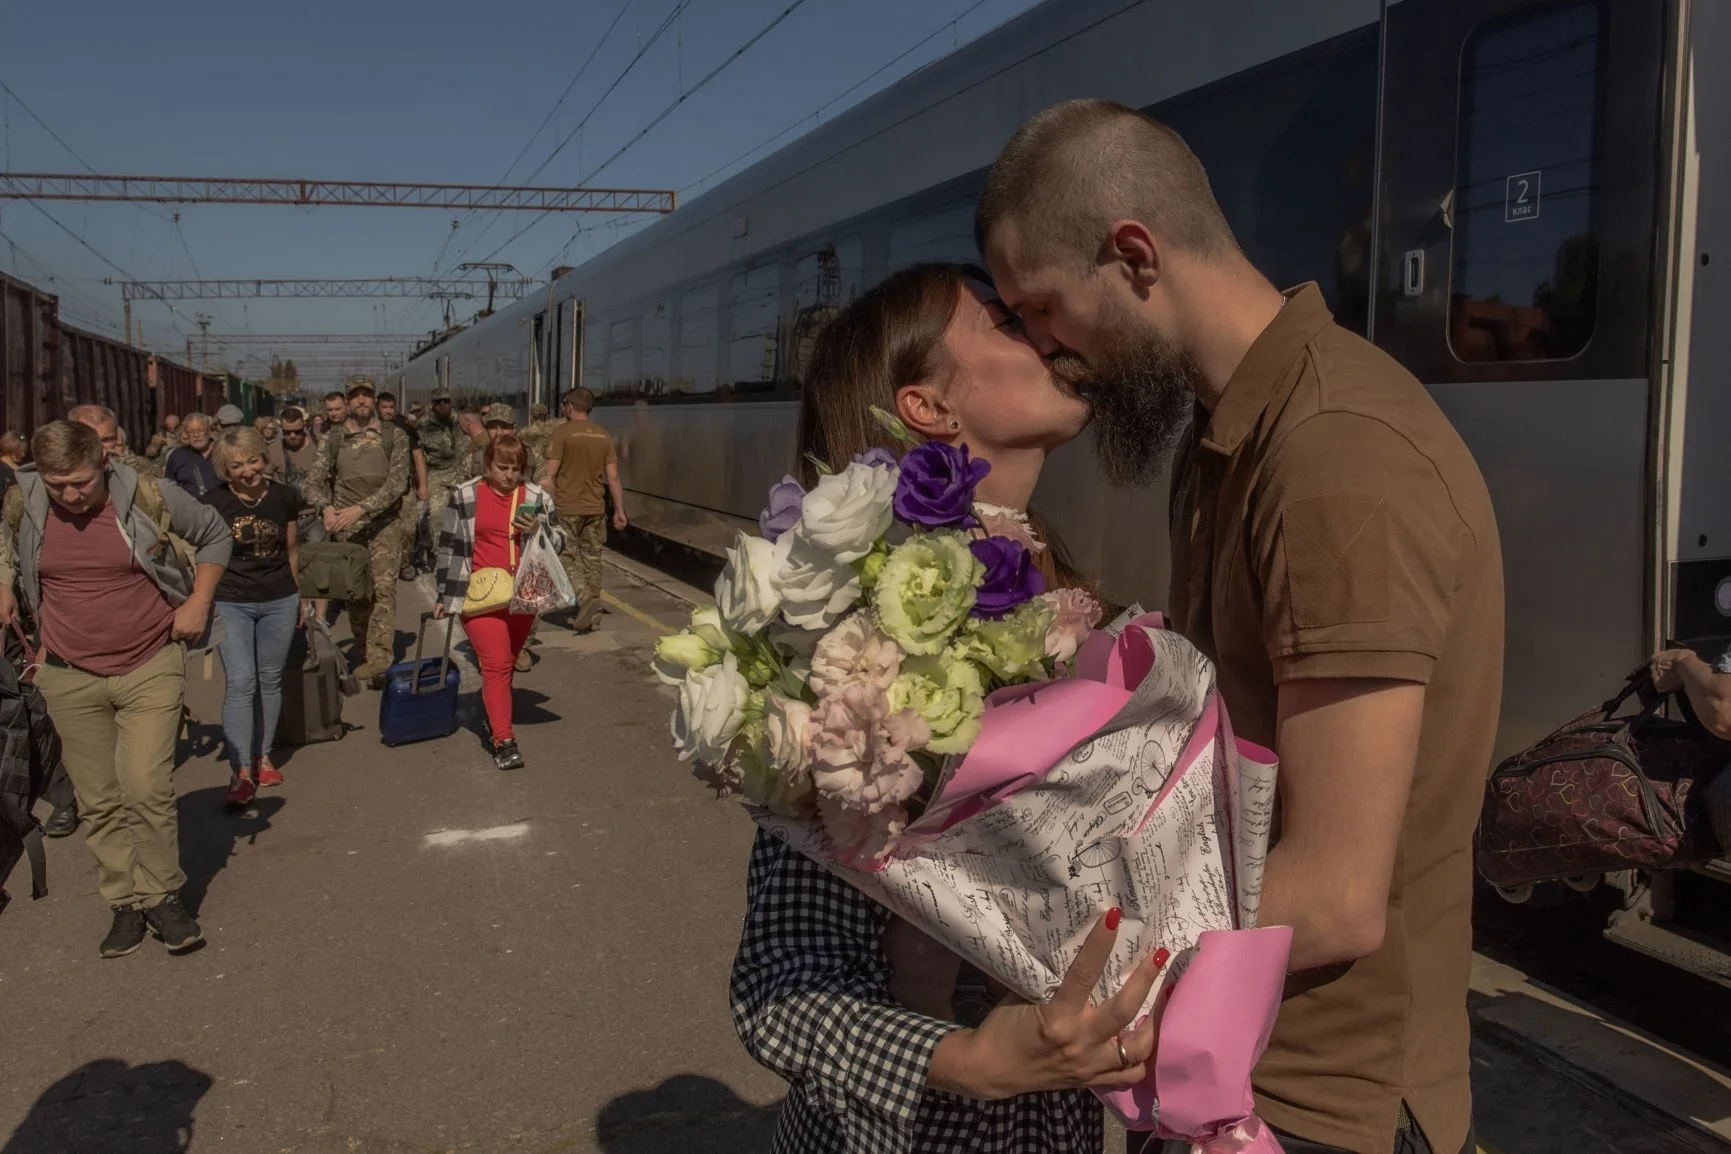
[(254, 647)]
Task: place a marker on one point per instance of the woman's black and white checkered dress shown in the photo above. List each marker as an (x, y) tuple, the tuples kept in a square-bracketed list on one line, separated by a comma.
[(811, 1001)]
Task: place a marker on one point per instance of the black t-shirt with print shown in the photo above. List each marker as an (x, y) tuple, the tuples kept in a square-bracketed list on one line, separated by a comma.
[(258, 569)]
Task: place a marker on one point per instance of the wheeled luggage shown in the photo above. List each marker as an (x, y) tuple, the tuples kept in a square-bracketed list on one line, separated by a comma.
[(314, 683), (420, 698)]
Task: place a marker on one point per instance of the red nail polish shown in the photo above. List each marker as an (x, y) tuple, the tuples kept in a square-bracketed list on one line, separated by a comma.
[(1161, 957), (1112, 916)]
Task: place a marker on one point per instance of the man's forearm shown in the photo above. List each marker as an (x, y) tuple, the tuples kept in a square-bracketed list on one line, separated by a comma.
[(204, 582)]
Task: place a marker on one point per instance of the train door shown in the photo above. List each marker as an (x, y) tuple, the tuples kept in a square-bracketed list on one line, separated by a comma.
[(537, 358), (1697, 555), (1517, 204)]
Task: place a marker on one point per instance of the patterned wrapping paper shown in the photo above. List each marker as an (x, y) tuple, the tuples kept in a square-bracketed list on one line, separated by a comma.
[(1159, 811)]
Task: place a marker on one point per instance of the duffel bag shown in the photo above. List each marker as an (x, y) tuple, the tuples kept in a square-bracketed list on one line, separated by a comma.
[(1603, 793), (341, 570)]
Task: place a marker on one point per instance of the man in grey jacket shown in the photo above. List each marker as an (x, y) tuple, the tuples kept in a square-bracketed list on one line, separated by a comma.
[(98, 555)]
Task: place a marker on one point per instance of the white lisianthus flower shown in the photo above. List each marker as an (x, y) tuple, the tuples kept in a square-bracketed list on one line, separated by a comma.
[(846, 513), (816, 589), (746, 593), (787, 722), (711, 709), (681, 654)]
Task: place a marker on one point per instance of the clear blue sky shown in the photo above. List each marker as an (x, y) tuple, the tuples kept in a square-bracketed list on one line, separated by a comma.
[(436, 91)]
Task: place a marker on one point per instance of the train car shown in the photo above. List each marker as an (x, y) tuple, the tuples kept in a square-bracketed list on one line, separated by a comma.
[(47, 367), (1519, 199)]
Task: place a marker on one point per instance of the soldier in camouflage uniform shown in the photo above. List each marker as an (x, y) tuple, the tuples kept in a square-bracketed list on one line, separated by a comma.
[(445, 448), (539, 434), (107, 427), (357, 483), (499, 419)]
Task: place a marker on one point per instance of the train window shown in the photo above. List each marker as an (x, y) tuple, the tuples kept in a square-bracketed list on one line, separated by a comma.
[(824, 282), (595, 357), (945, 233), (699, 330), (621, 359), (754, 299), (1525, 256), (1290, 149), (657, 330)]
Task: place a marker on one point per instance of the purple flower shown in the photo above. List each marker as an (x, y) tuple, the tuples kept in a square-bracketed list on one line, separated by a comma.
[(936, 488), (881, 458), (784, 506), (1011, 577)]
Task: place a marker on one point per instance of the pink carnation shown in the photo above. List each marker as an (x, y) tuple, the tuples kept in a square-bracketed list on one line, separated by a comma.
[(1075, 614), (854, 651), (863, 768), (1016, 529)]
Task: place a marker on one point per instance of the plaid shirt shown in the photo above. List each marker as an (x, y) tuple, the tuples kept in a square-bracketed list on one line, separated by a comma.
[(457, 539), (811, 1001)]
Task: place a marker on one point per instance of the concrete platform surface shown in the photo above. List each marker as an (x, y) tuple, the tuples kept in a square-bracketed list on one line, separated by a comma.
[(410, 952)]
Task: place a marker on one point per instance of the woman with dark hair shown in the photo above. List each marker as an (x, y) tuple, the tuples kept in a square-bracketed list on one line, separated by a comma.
[(855, 1008), (487, 522)]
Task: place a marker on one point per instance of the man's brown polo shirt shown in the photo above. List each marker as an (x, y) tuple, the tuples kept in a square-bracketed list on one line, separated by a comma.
[(1328, 522)]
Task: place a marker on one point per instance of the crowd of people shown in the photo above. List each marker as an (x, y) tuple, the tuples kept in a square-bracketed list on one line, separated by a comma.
[(115, 566)]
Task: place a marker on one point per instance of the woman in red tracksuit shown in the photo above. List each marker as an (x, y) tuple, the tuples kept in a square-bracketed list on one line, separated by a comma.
[(486, 525)]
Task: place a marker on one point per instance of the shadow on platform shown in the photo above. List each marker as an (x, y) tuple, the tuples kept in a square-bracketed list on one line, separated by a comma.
[(209, 831), (108, 1107), (686, 1112)]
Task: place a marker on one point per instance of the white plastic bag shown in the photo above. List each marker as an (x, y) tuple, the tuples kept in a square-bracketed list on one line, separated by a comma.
[(542, 584)]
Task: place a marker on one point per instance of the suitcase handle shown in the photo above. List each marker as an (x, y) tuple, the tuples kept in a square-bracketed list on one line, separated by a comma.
[(444, 658)]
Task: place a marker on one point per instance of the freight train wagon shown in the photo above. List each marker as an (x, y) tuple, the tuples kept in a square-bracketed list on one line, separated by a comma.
[(47, 367)]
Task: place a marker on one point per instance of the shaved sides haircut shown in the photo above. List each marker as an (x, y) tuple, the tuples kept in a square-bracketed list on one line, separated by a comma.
[(1072, 170)]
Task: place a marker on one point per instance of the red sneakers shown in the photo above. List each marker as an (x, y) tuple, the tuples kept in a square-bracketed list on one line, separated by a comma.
[(240, 790), (268, 774)]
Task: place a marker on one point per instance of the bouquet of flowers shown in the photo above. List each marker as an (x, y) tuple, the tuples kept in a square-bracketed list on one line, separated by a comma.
[(888, 683), (852, 646)]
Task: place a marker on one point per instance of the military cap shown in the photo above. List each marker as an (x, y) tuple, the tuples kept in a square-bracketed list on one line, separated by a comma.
[(441, 394), (358, 384), (499, 413), (537, 412)]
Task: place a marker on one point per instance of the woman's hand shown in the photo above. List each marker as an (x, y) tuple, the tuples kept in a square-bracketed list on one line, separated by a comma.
[(525, 521), (1066, 1043), (439, 611)]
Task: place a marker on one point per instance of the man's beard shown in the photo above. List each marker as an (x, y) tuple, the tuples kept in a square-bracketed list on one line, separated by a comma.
[(1142, 391)]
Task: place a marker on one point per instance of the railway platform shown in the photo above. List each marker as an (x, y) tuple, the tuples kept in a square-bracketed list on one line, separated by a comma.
[(410, 952)]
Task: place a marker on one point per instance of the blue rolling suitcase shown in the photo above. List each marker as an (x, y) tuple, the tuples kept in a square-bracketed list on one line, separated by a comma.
[(420, 698)]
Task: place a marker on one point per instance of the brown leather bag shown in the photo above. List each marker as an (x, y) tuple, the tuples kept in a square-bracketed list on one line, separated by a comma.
[(1601, 794)]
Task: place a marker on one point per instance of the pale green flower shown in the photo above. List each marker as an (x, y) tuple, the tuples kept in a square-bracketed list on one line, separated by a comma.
[(708, 625), (925, 591), (948, 692), (1013, 648), (679, 655), (758, 661), (871, 566)]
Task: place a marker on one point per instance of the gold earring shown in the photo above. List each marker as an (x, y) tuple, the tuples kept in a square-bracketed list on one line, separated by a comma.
[(955, 425)]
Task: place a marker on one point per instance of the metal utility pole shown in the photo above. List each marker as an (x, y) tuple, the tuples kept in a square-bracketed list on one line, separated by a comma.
[(203, 321), (304, 193)]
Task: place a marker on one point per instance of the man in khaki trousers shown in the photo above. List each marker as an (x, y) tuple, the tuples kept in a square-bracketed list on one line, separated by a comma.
[(93, 549)]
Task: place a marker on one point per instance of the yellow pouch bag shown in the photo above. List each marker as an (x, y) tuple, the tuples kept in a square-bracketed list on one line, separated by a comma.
[(491, 588)]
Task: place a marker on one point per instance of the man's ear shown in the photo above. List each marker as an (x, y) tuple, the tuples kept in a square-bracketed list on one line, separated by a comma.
[(1134, 249)]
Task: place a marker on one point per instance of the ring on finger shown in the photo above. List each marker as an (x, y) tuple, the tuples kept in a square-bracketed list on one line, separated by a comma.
[(1124, 1062)]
